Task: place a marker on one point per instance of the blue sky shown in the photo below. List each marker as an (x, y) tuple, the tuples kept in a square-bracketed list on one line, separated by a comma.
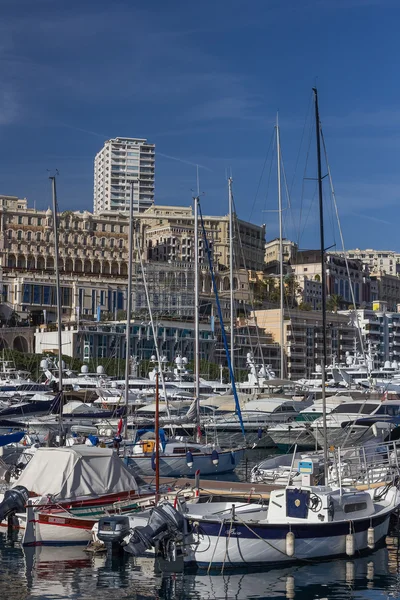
[(203, 81)]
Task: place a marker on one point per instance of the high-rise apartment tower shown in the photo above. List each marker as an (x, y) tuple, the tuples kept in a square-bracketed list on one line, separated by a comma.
[(119, 162)]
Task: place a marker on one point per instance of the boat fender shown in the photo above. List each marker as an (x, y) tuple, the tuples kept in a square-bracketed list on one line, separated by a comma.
[(371, 538), (214, 457), (189, 459), (153, 461), (350, 544), (259, 433), (290, 543), (233, 460)]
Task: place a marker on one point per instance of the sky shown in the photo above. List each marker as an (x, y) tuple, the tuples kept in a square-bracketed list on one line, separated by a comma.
[(204, 81)]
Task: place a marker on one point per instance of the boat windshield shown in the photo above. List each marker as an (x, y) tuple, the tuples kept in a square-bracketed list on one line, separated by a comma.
[(358, 408)]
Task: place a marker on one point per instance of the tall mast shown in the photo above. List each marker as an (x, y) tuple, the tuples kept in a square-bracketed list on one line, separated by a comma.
[(232, 299), (323, 278), (196, 310), (128, 310), (282, 330), (58, 292)]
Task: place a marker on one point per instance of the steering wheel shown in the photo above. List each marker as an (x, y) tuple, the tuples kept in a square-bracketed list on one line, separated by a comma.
[(315, 503)]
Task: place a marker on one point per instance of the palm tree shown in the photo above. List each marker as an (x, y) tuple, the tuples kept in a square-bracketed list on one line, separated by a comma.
[(333, 303)]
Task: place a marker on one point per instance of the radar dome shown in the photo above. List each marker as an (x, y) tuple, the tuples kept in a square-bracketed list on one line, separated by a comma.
[(387, 364), (84, 369), (44, 364), (395, 364), (100, 370), (152, 358), (318, 369)]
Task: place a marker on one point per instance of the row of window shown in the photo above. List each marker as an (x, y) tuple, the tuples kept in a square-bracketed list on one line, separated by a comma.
[(66, 238), (67, 225)]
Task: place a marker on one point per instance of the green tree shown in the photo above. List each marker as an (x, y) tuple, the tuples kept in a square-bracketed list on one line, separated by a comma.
[(334, 303), (305, 306)]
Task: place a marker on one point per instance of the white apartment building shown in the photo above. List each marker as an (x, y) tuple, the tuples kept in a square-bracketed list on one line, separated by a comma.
[(380, 330), (120, 162), (377, 260)]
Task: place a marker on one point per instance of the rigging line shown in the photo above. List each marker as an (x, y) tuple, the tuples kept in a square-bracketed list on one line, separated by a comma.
[(146, 289), (358, 329), (221, 322), (251, 297), (269, 179), (304, 180), (261, 176), (312, 201), (310, 104)]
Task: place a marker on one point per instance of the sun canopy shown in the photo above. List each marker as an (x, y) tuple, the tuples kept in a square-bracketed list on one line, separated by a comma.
[(75, 472)]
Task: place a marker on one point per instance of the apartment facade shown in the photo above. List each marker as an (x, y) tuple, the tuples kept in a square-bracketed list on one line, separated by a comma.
[(380, 330), (108, 340), (385, 261), (93, 261), (338, 276), (303, 337), (123, 162)]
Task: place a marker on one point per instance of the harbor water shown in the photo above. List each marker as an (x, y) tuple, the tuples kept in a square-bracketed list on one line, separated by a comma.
[(51, 573)]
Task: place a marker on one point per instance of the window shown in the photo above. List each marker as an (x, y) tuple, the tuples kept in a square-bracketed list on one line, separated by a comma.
[(103, 227), (29, 236), (19, 235), (29, 220), (121, 229), (38, 236), (19, 220), (39, 221), (354, 507), (112, 228)]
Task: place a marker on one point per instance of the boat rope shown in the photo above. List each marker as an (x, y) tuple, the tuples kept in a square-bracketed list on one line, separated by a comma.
[(215, 547), (221, 321), (227, 544)]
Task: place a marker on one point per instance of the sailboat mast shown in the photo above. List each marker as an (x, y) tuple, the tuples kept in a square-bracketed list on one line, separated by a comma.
[(323, 278), (232, 298), (282, 330), (128, 310), (58, 292), (196, 311)]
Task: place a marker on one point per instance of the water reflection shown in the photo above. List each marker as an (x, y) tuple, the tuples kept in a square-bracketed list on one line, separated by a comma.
[(60, 573)]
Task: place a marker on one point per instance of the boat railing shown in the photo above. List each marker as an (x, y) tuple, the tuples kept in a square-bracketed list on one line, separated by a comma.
[(366, 465)]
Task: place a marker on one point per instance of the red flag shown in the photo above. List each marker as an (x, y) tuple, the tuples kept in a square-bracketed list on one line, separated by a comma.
[(120, 425)]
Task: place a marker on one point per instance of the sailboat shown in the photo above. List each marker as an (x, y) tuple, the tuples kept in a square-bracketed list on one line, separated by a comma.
[(305, 521), (179, 457)]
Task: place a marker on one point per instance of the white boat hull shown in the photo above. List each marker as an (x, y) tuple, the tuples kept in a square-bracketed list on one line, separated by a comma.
[(238, 545)]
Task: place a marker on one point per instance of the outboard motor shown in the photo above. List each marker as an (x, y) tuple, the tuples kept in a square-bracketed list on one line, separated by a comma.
[(14, 501), (113, 529), (165, 527)]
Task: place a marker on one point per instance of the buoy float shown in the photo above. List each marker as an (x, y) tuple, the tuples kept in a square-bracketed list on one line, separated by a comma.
[(214, 457), (189, 459), (371, 538), (290, 543), (259, 433), (349, 544)]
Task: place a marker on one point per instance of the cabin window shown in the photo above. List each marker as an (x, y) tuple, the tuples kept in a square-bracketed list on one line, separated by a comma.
[(354, 507), (180, 450)]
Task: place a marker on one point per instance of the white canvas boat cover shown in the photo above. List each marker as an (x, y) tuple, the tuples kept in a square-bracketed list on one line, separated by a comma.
[(75, 472)]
